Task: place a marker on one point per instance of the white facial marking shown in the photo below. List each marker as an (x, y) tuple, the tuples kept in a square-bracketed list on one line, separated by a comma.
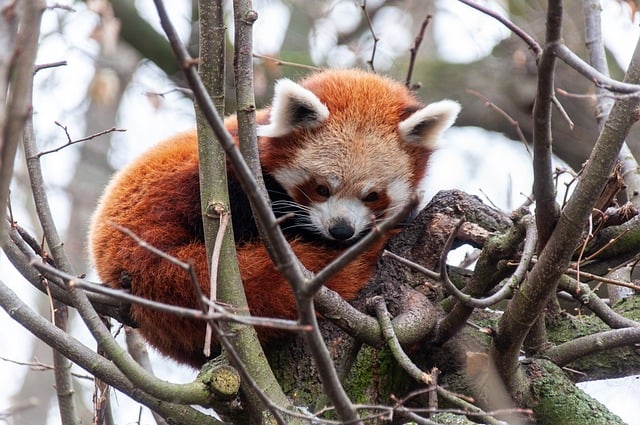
[(334, 182), (399, 191), (290, 177), (324, 215)]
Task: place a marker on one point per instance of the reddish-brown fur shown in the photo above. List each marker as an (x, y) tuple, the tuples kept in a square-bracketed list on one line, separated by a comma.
[(157, 197)]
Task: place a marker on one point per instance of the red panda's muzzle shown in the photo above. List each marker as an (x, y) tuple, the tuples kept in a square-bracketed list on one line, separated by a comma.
[(341, 230)]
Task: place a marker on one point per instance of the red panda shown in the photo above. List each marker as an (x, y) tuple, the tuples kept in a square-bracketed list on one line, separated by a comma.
[(340, 149)]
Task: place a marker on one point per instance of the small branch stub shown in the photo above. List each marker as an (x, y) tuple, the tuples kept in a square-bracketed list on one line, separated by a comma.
[(222, 380), (250, 17), (216, 209)]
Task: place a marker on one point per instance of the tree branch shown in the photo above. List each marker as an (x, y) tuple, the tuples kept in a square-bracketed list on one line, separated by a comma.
[(93, 363), (598, 60), (572, 350), (530, 41), (585, 296), (574, 61), (543, 185), (16, 70), (532, 298)]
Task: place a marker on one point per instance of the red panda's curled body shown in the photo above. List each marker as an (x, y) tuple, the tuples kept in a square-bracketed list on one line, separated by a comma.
[(336, 149)]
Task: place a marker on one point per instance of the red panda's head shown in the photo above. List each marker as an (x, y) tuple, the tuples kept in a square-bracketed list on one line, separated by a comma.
[(350, 147)]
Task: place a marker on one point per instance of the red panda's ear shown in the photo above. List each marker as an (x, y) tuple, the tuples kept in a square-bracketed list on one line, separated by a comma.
[(425, 126), (293, 107)]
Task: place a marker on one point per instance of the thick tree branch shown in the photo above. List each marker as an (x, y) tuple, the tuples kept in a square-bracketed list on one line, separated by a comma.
[(591, 344), (262, 212), (531, 300), (141, 35), (60, 314), (89, 360), (17, 66), (544, 189), (265, 218), (598, 60)]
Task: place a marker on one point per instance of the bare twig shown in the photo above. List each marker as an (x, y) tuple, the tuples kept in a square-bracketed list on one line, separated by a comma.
[(507, 286), (220, 313), (598, 60), (73, 142), (64, 383), (376, 39), (280, 62), (39, 366), (593, 96), (40, 67), (182, 90), (600, 80), (562, 111), (187, 267), (585, 296), (513, 122), (590, 276), (414, 53), (543, 186), (529, 40), (213, 276), (354, 251), (425, 271), (265, 219)]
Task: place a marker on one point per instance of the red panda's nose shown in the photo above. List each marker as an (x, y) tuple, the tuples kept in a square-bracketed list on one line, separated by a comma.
[(341, 230)]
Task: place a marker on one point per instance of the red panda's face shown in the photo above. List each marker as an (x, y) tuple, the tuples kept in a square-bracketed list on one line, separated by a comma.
[(350, 148)]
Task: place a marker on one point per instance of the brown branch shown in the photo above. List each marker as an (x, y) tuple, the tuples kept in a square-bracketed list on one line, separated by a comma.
[(529, 40), (598, 59), (40, 67), (281, 251), (187, 267), (353, 252), (17, 62), (92, 362), (73, 142), (376, 39), (543, 185), (510, 120), (39, 366), (508, 286), (64, 384), (562, 111), (600, 80), (291, 270), (414, 53), (528, 303)]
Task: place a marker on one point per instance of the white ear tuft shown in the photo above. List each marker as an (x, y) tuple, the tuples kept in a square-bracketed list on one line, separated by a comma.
[(293, 107), (425, 126)]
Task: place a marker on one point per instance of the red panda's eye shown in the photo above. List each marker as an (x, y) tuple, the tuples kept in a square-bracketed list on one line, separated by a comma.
[(371, 197), (323, 191)]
